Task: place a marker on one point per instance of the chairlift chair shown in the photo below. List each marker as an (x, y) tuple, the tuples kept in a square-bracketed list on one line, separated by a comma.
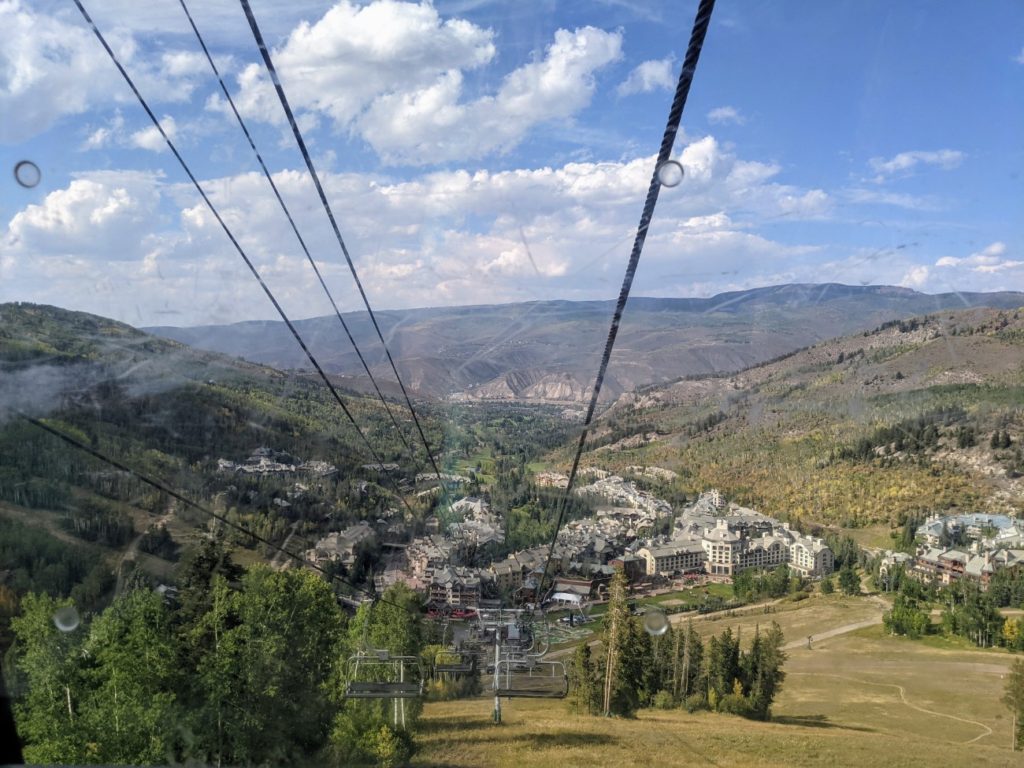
[(380, 675), (455, 663), (530, 678)]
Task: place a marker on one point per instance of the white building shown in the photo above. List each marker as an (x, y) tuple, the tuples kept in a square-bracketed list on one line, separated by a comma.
[(679, 556), (811, 558)]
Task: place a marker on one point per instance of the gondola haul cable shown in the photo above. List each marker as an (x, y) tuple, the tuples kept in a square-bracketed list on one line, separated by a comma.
[(295, 229), (241, 252), (272, 70), (700, 28)]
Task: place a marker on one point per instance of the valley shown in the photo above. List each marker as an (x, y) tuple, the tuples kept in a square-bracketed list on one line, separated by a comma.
[(843, 447)]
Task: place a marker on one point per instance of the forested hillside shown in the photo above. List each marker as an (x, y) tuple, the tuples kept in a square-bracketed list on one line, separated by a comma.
[(71, 522), (917, 415)]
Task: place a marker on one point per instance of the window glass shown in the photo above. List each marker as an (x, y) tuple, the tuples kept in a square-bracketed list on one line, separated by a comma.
[(401, 382)]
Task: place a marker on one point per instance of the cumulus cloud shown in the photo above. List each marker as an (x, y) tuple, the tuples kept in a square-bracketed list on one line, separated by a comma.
[(144, 246), (916, 278), (151, 139), (905, 162), (988, 260), (101, 214), (394, 72), (50, 69), (726, 115), (106, 135), (648, 76), (434, 124), (353, 55)]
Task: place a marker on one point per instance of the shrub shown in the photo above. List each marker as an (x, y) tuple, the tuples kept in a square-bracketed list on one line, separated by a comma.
[(695, 702), (663, 700)]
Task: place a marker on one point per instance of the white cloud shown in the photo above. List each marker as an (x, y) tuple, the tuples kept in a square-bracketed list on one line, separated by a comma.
[(988, 260), (904, 162), (339, 65), (106, 135), (50, 69), (103, 213), (897, 199), (433, 124), (150, 138), (186, 63), (132, 246), (916, 278), (726, 115), (98, 139), (1019, 58), (648, 76), (394, 72)]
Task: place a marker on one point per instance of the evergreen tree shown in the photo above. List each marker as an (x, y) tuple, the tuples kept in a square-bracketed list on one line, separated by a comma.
[(849, 581), (691, 663), (583, 685), (211, 557), (621, 692), (766, 673), (722, 666)]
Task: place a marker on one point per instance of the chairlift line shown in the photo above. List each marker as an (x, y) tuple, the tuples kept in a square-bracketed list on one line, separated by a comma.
[(366, 667), (241, 252), (519, 642), (700, 28), (295, 229), (265, 53)]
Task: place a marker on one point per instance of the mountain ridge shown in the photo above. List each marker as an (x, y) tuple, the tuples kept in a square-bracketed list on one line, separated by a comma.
[(548, 351)]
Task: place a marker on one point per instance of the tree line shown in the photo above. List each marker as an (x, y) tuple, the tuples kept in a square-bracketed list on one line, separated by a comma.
[(632, 669), (245, 667), (967, 610)]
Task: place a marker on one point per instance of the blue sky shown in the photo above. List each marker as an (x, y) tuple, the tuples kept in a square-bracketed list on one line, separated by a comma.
[(483, 152)]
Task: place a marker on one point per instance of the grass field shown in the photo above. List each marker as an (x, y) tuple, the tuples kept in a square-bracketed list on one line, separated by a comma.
[(814, 616), (871, 536), (860, 698)]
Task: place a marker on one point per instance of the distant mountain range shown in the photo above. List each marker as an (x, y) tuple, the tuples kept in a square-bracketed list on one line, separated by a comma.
[(549, 350)]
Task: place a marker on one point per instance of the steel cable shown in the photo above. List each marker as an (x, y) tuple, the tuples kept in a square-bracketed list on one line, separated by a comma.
[(700, 28)]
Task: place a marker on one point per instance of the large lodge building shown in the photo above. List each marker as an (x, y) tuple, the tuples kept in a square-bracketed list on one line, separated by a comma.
[(731, 546)]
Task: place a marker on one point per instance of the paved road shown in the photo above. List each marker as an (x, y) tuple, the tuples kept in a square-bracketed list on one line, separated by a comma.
[(844, 629)]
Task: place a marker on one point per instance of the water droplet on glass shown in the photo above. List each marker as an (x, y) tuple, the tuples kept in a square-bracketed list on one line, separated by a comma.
[(670, 173), (655, 622), (66, 619), (27, 174)]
